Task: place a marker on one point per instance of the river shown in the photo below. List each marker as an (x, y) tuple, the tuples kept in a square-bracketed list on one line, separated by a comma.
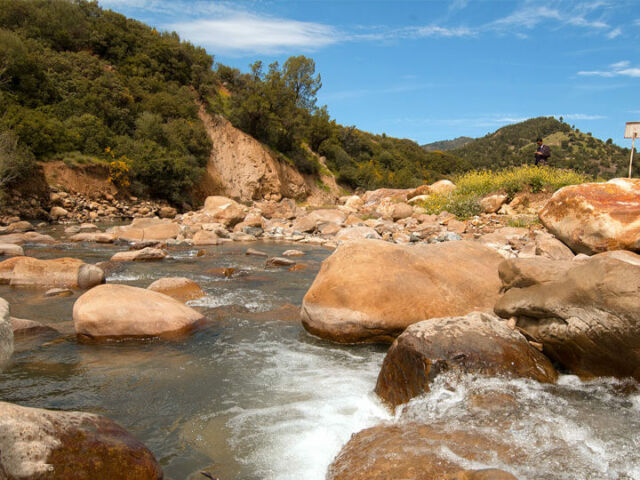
[(251, 396)]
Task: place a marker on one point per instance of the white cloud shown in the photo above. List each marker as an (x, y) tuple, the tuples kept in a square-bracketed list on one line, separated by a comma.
[(581, 116), (618, 69), (244, 33), (616, 32)]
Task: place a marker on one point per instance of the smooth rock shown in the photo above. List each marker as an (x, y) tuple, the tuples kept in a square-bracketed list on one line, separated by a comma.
[(59, 272), (19, 227), (121, 311), (442, 187), (167, 212), (38, 444), (371, 290), (293, 253), (588, 321), (11, 250), (525, 272), (279, 262), (492, 203), (411, 451), (477, 343), (56, 213), (257, 253), (204, 237), (28, 237), (549, 246), (596, 217), (95, 237), (224, 210), (180, 288), (356, 233), (145, 255), (24, 328)]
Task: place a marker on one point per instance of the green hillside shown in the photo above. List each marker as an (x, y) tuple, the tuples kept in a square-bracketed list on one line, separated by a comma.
[(570, 148), (444, 145)]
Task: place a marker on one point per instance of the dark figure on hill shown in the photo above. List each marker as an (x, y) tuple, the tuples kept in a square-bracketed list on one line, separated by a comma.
[(542, 153)]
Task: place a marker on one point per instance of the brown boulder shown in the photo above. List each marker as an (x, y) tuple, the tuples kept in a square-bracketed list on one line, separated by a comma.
[(356, 233), (492, 203), (28, 237), (525, 272), (371, 290), (442, 187), (167, 212), (147, 229), (59, 272), (11, 250), (180, 288), (546, 245), (419, 452), (146, 254), (317, 219), (595, 217), (19, 227), (24, 328), (224, 210), (37, 443), (394, 210), (375, 196), (476, 343), (205, 237), (95, 237), (588, 321), (121, 311)]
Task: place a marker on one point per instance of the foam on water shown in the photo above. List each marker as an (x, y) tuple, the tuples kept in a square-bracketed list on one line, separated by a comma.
[(572, 430)]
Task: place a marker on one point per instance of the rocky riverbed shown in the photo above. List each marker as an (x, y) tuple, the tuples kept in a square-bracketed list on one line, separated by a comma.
[(196, 360)]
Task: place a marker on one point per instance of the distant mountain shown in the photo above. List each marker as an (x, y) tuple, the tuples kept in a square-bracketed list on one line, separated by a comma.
[(570, 148), (444, 145)]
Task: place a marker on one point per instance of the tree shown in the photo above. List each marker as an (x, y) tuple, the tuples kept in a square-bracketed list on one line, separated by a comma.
[(298, 77)]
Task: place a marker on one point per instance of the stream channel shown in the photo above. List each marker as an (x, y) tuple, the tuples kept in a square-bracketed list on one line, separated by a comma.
[(252, 396)]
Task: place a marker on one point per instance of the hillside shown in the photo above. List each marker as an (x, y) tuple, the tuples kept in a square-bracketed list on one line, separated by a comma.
[(444, 145), (570, 148)]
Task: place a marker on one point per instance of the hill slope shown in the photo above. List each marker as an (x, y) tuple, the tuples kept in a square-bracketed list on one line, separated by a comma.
[(444, 145), (570, 148)]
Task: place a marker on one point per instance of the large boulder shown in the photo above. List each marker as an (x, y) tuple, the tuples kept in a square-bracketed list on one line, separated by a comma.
[(318, 219), (475, 343), (147, 229), (394, 210), (180, 288), (525, 272), (356, 233), (27, 237), (59, 272), (442, 187), (371, 290), (595, 217), (224, 210), (37, 444), (419, 452), (375, 196), (121, 311), (588, 320), (6, 335)]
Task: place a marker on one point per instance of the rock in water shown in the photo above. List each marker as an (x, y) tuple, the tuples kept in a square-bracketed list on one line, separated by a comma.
[(476, 343), (371, 290), (180, 288), (588, 320), (59, 272), (419, 452), (595, 217), (6, 335), (121, 311), (37, 443)]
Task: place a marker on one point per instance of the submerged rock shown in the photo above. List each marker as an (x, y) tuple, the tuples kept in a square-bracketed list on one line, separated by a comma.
[(371, 290), (475, 343), (595, 217), (37, 443), (121, 311), (180, 288), (588, 319), (59, 272)]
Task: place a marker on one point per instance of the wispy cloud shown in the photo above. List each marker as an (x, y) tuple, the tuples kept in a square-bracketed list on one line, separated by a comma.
[(581, 116), (618, 69), (616, 32), (244, 33)]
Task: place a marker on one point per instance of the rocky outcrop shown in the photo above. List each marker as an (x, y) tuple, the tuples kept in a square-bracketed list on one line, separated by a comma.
[(475, 343), (371, 290), (121, 311), (59, 272), (241, 168), (588, 319), (595, 217), (37, 443), (420, 452), (6, 335), (180, 288)]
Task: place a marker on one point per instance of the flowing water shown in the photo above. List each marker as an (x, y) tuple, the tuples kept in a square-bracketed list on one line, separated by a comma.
[(252, 396)]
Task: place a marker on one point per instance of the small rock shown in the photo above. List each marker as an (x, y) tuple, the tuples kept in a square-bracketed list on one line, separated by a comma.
[(293, 253), (258, 253), (279, 262), (146, 254), (58, 292)]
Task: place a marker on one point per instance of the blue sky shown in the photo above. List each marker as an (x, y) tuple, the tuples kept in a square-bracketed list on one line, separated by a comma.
[(431, 70)]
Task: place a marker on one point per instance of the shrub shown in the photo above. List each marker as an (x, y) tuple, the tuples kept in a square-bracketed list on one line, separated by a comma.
[(16, 161)]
